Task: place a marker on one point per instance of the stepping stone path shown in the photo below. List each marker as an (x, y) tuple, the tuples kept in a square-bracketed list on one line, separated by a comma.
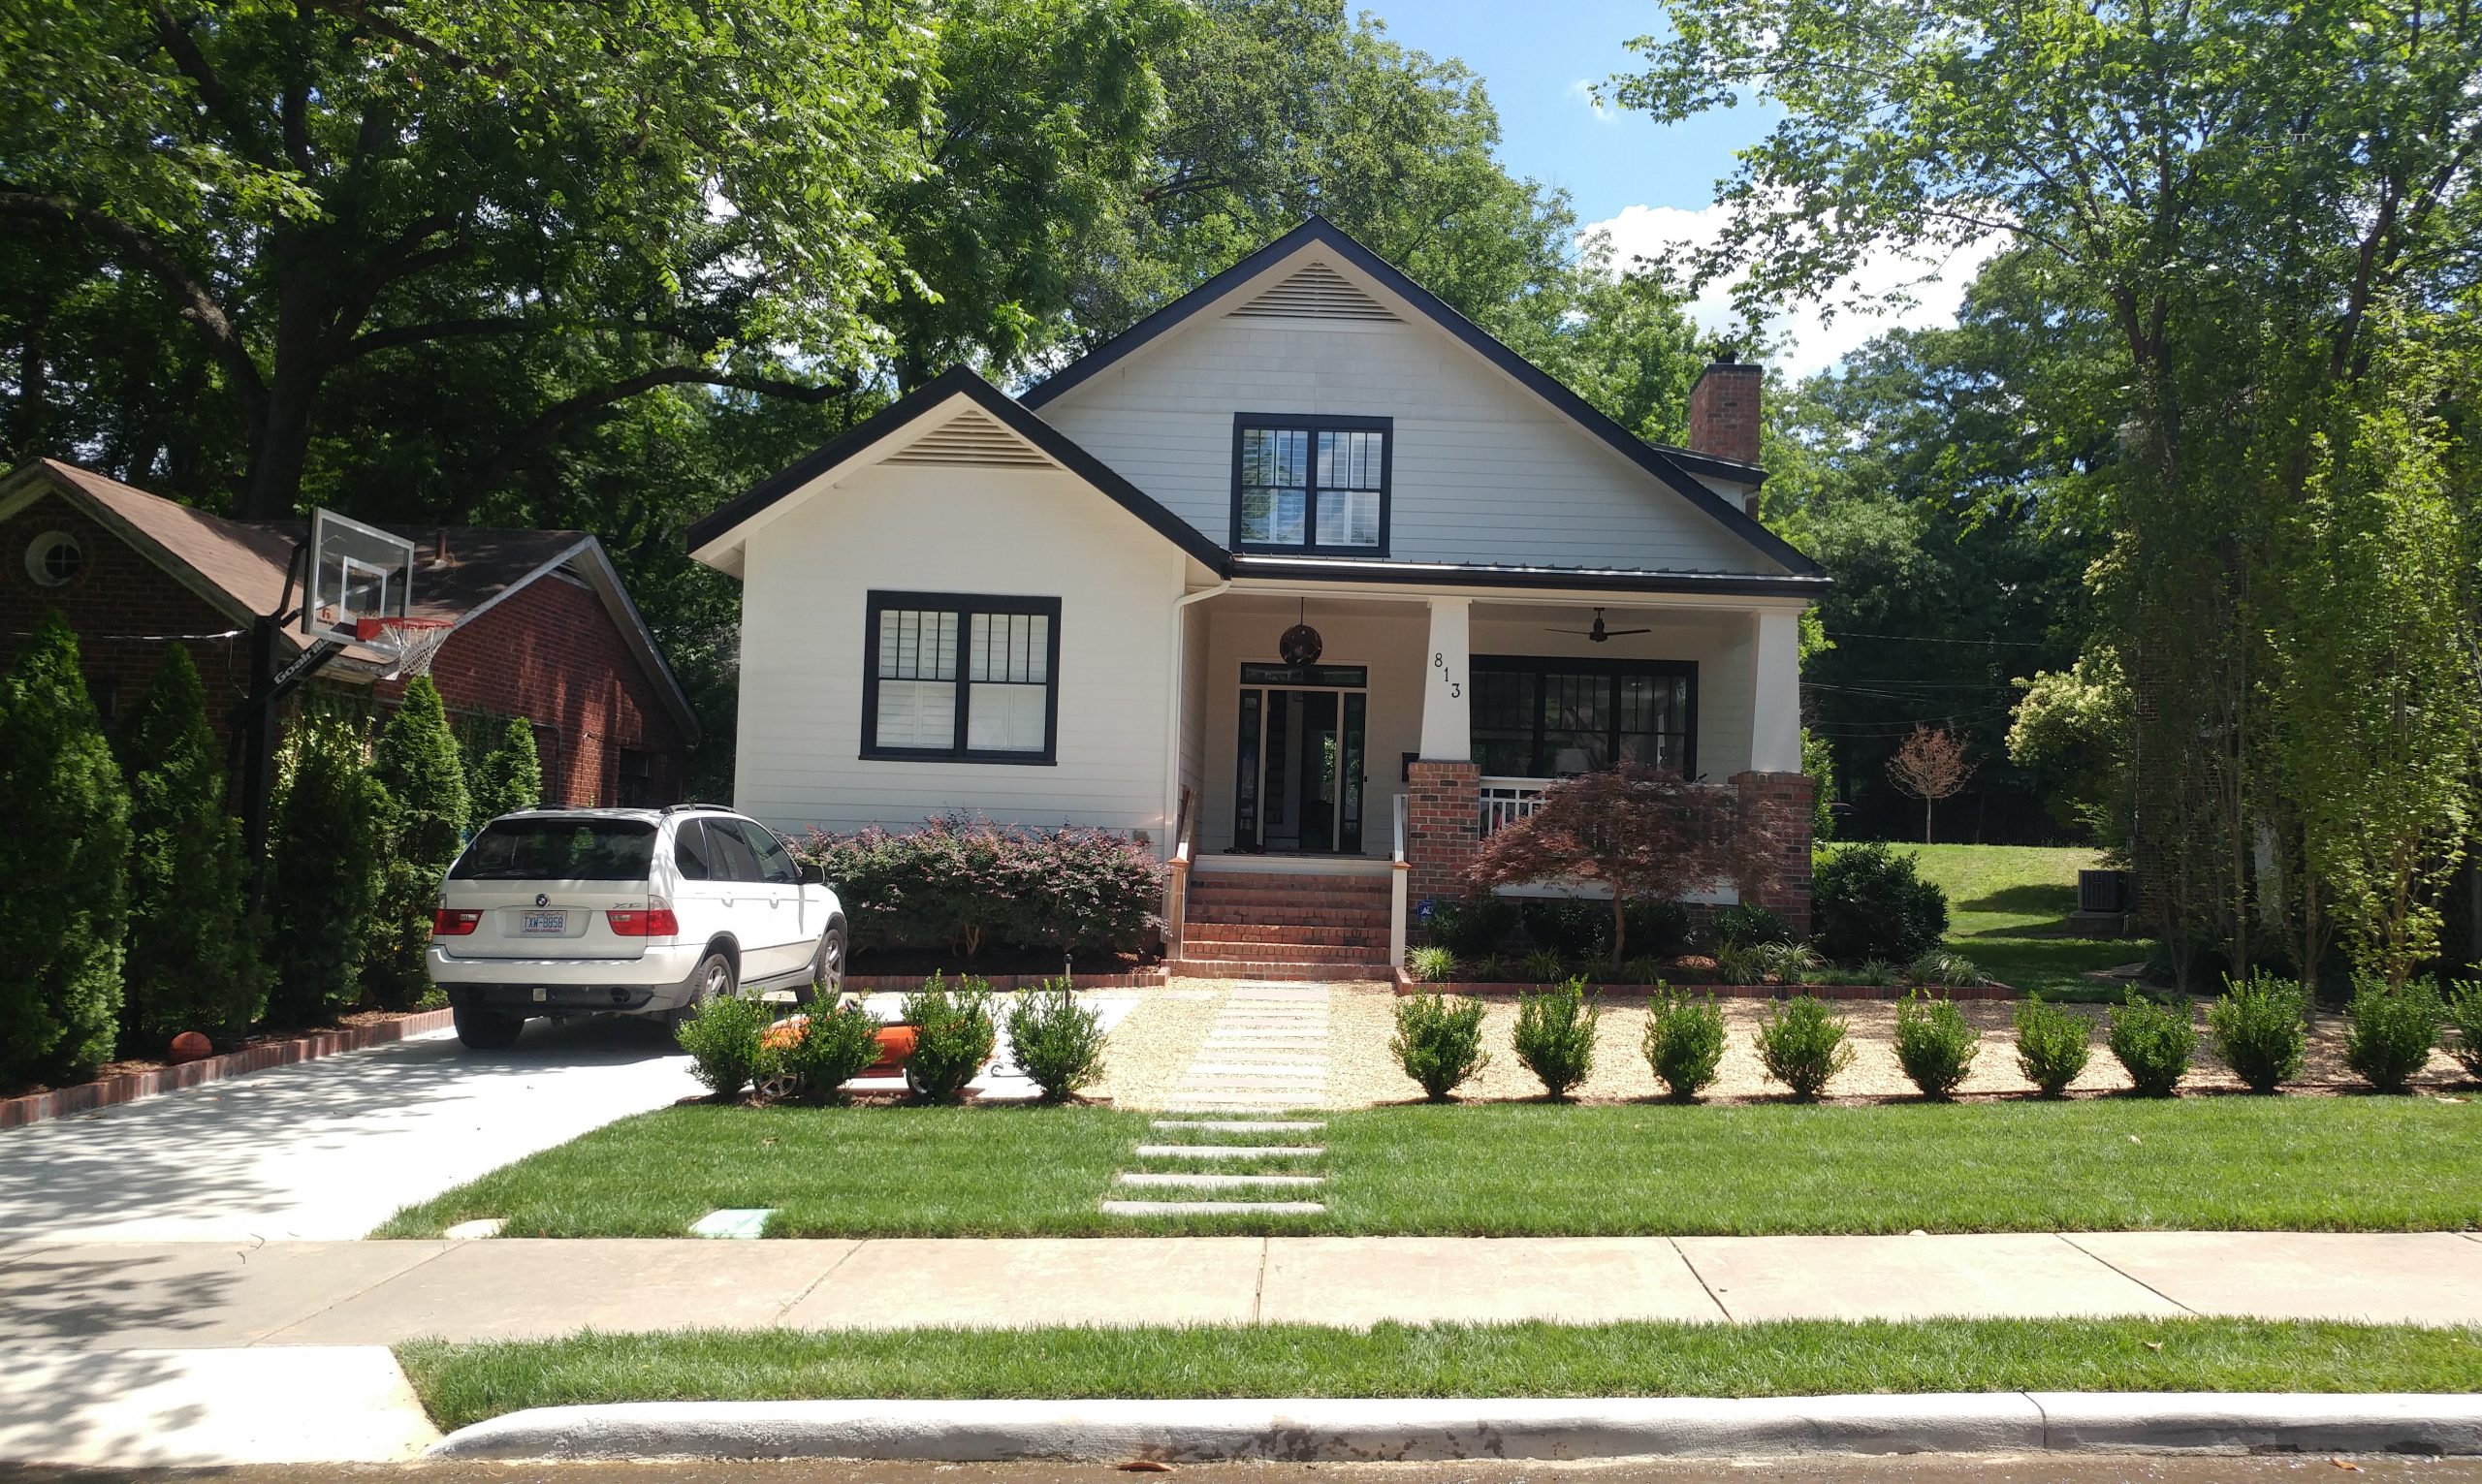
[(1265, 1054), (1210, 1191)]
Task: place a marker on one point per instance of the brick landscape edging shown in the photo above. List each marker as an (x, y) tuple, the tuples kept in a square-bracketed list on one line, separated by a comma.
[(130, 1086), (1142, 979), (1407, 984)]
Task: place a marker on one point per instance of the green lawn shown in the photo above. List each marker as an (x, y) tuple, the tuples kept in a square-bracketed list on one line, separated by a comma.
[(2008, 907), (2234, 1163), (463, 1384)]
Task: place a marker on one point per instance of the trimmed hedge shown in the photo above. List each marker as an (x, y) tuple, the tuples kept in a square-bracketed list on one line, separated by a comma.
[(969, 885)]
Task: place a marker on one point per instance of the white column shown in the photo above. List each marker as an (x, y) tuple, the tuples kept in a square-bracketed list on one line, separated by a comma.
[(1447, 691), (1775, 710)]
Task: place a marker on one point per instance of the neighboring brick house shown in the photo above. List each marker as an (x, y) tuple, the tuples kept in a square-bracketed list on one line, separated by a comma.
[(544, 628)]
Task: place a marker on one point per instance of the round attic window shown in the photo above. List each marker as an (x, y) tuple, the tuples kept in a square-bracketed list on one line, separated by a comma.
[(53, 557)]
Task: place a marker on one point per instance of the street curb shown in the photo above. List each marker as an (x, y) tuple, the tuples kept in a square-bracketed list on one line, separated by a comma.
[(1427, 1430), (130, 1086)]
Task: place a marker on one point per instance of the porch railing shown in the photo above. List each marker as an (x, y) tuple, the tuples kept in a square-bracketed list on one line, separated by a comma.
[(1506, 800), (1176, 879), (1396, 892)]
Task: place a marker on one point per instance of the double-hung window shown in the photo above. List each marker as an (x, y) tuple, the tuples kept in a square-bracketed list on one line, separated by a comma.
[(1544, 717), (1315, 486), (959, 678)]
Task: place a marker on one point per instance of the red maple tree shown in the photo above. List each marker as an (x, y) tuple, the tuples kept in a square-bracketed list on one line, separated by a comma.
[(1646, 834)]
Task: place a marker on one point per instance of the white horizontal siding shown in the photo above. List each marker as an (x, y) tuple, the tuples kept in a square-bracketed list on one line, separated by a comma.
[(1484, 471), (958, 530)]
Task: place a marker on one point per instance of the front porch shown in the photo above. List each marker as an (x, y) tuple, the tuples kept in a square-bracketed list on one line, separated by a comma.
[(1419, 722)]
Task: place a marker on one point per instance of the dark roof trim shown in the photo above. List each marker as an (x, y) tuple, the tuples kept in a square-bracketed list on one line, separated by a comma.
[(1697, 462), (1806, 586), (1668, 469), (962, 380)]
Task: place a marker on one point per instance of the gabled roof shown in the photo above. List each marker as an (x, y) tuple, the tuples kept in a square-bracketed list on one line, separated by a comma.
[(238, 567), (960, 381), (1665, 468)]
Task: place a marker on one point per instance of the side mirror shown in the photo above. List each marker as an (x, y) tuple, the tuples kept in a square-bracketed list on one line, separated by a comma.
[(811, 875)]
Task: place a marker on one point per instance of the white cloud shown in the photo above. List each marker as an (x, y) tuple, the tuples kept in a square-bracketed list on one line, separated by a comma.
[(1583, 90), (1809, 338)]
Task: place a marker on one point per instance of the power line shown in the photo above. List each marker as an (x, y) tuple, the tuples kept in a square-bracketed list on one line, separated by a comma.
[(2021, 644)]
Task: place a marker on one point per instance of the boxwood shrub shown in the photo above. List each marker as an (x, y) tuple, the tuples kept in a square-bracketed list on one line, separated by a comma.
[(972, 885), (1867, 902)]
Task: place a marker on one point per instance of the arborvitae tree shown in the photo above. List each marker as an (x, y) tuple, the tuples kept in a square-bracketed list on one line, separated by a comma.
[(64, 868), (415, 762), (193, 954), (331, 821), (510, 776)]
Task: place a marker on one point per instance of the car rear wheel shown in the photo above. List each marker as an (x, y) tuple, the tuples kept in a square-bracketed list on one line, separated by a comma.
[(714, 980), (827, 968), (483, 1029)]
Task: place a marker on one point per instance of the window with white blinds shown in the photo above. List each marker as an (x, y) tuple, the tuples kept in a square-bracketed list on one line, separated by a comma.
[(1311, 484), (961, 678)]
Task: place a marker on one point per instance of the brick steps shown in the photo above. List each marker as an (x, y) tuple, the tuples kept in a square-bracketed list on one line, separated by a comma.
[(1375, 937), (1286, 881), (1314, 902), (1260, 969), (1199, 945), (1306, 916), (1269, 925)]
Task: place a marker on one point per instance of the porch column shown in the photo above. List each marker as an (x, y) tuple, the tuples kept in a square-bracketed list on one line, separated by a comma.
[(1444, 826), (1775, 710), (1447, 702)]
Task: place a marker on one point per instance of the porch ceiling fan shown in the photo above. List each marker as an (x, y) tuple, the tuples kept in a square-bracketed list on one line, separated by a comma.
[(1598, 634)]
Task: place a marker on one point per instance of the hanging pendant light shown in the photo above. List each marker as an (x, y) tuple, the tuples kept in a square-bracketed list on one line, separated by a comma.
[(1300, 645)]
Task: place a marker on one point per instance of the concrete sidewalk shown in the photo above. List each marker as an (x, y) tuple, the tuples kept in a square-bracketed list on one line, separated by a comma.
[(133, 1296)]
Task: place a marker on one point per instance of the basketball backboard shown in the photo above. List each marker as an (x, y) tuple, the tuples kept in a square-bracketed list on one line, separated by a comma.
[(359, 575)]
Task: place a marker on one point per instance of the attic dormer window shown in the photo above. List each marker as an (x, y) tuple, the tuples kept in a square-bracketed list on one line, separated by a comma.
[(1314, 486)]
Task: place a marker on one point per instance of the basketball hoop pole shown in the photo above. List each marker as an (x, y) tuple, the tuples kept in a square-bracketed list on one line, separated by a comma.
[(355, 582), (270, 685)]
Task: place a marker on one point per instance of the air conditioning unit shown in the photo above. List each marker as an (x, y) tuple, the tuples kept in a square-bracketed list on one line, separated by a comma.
[(2105, 891)]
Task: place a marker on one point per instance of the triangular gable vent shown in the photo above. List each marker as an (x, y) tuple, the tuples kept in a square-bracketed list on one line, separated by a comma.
[(973, 438), (1316, 292)]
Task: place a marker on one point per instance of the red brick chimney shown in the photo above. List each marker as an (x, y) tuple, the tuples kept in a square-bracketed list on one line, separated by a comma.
[(1723, 411)]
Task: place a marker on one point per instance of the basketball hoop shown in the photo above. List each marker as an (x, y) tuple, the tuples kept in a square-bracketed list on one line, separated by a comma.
[(415, 641)]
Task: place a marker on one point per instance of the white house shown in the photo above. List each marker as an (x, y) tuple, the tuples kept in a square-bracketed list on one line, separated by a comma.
[(1303, 576)]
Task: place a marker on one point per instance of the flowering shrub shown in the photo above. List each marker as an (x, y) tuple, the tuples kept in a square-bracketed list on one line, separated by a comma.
[(970, 884)]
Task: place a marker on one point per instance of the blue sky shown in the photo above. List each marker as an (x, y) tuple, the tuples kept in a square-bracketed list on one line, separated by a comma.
[(1648, 186), (1536, 56)]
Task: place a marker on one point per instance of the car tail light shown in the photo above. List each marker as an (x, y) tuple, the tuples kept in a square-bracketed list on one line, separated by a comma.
[(653, 923), (450, 922)]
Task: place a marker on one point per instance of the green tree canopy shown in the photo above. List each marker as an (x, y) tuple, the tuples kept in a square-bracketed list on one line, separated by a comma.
[(610, 200)]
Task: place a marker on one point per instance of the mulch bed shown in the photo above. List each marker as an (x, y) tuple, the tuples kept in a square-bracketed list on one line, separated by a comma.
[(1406, 984)]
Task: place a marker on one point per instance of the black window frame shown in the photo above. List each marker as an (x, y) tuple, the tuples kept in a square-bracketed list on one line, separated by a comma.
[(1315, 424), (966, 606), (1539, 665)]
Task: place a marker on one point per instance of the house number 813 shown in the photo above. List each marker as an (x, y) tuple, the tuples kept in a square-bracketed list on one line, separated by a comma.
[(1455, 686)]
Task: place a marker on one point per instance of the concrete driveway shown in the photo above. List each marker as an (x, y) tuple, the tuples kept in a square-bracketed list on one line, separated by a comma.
[(327, 1150)]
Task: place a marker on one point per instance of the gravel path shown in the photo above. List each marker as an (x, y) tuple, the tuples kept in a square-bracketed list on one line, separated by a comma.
[(1152, 1049), (1146, 1054)]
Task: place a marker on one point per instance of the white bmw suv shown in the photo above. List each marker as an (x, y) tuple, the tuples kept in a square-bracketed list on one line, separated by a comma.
[(647, 912)]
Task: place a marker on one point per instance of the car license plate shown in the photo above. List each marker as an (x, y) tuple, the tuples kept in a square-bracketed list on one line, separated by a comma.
[(546, 922)]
